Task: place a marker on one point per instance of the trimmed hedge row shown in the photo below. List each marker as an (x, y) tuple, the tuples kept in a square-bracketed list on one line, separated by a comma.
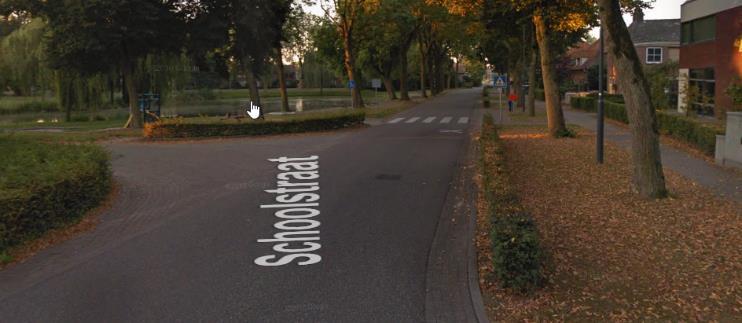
[(517, 256), (180, 128), (46, 186), (695, 133)]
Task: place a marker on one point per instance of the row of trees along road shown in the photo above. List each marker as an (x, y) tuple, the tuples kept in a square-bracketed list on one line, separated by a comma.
[(555, 25), (87, 39)]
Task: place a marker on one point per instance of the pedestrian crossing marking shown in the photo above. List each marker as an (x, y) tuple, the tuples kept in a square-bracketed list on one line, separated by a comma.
[(412, 120), (429, 120), (463, 120), (396, 120), (446, 120)]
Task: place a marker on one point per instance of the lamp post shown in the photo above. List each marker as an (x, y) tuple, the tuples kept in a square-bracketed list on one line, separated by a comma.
[(601, 103)]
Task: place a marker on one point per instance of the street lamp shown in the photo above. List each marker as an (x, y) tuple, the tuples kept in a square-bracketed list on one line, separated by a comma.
[(601, 103)]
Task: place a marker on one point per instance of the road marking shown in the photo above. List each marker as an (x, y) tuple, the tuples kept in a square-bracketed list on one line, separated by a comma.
[(296, 202), (451, 131), (446, 120), (396, 120), (412, 120), (463, 120), (429, 120)]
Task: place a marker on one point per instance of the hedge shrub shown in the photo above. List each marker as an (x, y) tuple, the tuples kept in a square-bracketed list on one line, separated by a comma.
[(517, 256), (45, 186), (184, 128), (539, 94), (695, 133)]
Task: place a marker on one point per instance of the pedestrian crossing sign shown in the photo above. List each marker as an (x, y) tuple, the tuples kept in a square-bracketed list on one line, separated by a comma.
[(500, 82)]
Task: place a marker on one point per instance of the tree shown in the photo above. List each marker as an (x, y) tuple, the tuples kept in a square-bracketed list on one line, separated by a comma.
[(346, 19), (299, 38), (648, 178), (93, 36)]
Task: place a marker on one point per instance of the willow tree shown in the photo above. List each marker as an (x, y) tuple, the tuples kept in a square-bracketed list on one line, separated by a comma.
[(22, 59), (648, 178), (93, 36)]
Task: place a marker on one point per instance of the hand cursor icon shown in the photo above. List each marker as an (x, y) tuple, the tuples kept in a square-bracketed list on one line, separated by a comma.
[(254, 111)]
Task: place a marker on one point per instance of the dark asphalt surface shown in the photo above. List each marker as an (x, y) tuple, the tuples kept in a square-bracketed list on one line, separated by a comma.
[(180, 240)]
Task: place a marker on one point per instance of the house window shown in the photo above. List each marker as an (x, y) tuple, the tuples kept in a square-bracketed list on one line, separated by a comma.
[(698, 30), (702, 90), (654, 55)]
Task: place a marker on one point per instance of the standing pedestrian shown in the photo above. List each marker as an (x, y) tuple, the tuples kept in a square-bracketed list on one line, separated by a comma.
[(512, 98)]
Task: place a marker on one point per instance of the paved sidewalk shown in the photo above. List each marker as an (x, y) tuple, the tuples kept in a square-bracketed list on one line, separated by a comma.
[(724, 182)]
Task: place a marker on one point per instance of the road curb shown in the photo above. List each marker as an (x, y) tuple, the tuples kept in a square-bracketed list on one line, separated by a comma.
[(452, 279)]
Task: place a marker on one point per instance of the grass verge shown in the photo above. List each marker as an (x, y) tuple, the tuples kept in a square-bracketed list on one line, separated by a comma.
[(612, 255), (46, 186), (515, 260)]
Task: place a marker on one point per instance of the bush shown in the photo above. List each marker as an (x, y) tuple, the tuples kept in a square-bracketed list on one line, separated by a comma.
[(45, 186), (517, 256), (699, 135), (184, 128), (539, 94), (688, 130)]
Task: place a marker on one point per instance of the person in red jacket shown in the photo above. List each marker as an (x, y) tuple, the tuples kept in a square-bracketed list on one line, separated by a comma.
[(512, 98)]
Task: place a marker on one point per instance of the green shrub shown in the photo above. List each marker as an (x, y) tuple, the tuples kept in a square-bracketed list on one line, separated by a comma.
[(539, 94), (587, 103), (45, 186), (686, 129), (699, 135), (182, 128), (517, 257)]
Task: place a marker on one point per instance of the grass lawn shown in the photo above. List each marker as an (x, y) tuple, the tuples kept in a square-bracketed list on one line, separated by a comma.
[(612, 256)]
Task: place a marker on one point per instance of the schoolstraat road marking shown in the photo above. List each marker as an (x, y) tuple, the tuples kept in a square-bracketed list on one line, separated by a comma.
[(296, 205)]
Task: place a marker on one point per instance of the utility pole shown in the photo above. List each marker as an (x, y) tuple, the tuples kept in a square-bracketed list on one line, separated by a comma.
[(601, 103)]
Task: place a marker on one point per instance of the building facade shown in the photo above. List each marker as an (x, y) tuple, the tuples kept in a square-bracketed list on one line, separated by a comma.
[(656, 42), (710, 55)]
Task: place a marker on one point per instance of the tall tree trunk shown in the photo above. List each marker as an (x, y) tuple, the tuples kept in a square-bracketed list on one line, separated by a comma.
[(554, 113), (282, 81), (533, 64), (389, 86), (135, 117), (423, 67), (648, 177), (404, 94), (302, 79), (349, 62)]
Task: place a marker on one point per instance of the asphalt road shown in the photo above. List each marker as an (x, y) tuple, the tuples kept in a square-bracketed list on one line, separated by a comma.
[(179, 242)]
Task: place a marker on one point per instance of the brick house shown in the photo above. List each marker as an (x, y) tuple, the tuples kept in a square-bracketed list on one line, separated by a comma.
[(656, 42), (710, 55), (580, 59)]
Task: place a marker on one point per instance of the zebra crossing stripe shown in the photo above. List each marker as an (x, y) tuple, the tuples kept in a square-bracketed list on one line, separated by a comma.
[(446, 120), (412, 120), (429, 120), (463, 120), (396, 120)]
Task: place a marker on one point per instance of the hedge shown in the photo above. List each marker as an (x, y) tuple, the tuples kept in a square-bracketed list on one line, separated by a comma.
[(184, 128), (697, 134), (539, 94), (517, 256), (46, 186)]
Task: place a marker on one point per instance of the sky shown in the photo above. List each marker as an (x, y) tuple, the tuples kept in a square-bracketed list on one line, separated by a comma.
[(662, 9)]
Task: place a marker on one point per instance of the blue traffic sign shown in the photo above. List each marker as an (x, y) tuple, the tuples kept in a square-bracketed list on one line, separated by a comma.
[(501, 82), (351, 84)]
